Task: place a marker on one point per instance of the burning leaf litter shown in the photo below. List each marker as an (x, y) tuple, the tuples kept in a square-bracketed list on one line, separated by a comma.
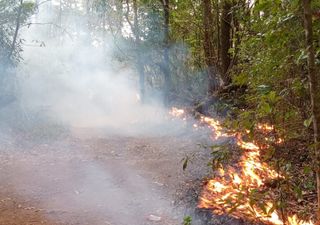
[(229, 191)]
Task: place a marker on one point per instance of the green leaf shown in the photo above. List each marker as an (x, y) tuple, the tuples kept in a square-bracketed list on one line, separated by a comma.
[(185, 163), (241, 79), (303, 56), (263, 89), (308, 122), (269, 153), (272, 97), (187, 220), (307, 170), (265, 108), (298, 192)]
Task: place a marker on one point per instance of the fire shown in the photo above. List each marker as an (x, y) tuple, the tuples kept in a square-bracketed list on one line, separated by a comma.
[(265, 127), (230, 190), (215, 126), (177, 112), (223, 192)]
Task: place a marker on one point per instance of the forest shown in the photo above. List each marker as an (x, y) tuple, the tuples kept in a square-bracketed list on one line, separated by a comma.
[(214, 102)]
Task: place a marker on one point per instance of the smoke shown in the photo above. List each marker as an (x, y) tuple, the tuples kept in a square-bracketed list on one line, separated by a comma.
[(76, 82), (79, 85)]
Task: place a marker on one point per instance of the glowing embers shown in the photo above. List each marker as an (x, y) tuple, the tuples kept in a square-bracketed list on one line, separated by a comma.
[(265, 127), (177, 112)]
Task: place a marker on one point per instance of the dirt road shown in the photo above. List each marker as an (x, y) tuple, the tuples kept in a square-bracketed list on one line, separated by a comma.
[(88, 177)]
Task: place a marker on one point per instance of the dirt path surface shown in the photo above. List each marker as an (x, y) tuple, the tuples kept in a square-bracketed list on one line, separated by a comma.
[(87, 177)]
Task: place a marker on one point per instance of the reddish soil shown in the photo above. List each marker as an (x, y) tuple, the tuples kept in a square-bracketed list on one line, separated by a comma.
[(99, 179)]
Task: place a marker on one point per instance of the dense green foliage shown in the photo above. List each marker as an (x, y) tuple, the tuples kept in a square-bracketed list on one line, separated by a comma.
[(255, 51), (9, 13)]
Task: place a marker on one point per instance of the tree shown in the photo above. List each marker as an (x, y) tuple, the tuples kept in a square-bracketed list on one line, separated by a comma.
[(13, 14), (16, 31), (166, 46), (226, 17), (140, 66), (314, 91), (209, 52), (119, 8)]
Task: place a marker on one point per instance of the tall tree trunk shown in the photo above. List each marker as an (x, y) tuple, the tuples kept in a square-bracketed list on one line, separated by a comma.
[(16, 32), (88, 21), (208, 46), (226, 18), (314, 91), (104, 12), (217, 9), (140, 66), (119, 7), (166, 60), (236, 31), (52, 31)]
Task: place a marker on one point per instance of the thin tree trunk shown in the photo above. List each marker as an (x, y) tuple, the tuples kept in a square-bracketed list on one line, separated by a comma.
[(218, 29), (140, 66), (104, 11), (208, 46), (314, 91), (119, 7), (236, 33), (88, 9), (52, 30), (166, 60), (226, 18), (16, 32)]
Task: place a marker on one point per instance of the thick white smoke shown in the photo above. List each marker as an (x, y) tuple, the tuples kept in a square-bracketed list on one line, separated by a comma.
[(73, 81), (81, 85)]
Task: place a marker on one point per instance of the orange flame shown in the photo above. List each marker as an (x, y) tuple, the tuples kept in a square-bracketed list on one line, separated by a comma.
[(177, 112), (215, 126), (229, 190)]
